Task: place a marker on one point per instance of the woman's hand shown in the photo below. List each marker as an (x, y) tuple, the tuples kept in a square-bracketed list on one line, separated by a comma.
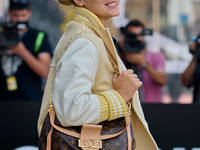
[(126, 84)]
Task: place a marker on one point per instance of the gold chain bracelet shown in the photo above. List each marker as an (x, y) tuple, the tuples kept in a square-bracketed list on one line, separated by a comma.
[(50, 102), (128, 105)]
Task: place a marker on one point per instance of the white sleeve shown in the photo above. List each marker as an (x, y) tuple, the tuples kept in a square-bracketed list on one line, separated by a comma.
[(75, 76)]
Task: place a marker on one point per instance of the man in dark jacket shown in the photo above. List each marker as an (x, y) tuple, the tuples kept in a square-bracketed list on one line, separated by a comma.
[(23, 66), (191, 76)]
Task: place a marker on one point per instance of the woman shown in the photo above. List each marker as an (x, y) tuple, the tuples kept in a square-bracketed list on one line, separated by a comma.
[(91, 85)]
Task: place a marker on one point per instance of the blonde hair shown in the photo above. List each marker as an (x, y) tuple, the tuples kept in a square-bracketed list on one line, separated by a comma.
[(73, 2), (66, 2)]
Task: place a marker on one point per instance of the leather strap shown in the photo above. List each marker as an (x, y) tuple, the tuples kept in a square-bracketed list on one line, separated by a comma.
[(90, 137), (77, 135), (52, 118), (129, 133), (49, 139)]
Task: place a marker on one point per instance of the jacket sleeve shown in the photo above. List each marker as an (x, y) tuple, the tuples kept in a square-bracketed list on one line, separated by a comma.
[(72, 97)]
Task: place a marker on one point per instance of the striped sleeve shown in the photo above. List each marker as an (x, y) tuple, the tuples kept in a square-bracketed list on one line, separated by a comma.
[(112, 105)]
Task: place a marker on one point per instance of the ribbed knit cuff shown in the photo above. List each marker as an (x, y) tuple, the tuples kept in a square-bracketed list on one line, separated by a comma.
[(113, 103), (104, 108)]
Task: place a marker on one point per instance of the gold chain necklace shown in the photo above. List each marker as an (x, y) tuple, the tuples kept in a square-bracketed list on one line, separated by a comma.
[(116, 70)]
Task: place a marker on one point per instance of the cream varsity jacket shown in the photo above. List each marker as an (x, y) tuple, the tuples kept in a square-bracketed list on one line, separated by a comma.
[(80, 80)]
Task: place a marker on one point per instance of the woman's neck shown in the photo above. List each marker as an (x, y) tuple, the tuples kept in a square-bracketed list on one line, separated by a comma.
[(83, 14)]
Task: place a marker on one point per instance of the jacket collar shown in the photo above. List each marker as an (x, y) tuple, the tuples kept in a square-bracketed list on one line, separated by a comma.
[(82, 14), (89, 18)]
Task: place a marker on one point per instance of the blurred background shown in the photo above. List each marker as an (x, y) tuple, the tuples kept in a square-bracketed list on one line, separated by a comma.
[(174, 22)]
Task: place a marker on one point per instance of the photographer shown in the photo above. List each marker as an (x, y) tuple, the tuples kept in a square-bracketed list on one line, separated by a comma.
[(25, 64), (191, 76), (147, 65)]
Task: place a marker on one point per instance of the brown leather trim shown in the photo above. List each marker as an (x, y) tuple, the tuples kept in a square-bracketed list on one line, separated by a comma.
[(49, 139), (52, 118), (77, 135), (129, 134)]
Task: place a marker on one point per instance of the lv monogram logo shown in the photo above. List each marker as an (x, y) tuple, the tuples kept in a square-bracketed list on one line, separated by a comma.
[(90, 143)]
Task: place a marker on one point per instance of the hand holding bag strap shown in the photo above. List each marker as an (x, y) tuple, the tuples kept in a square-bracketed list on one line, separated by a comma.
[(117, 71)]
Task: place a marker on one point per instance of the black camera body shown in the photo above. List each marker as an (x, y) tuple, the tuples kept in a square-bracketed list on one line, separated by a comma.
[(9, 35), (132, 44), (196, 74), (197, 48)]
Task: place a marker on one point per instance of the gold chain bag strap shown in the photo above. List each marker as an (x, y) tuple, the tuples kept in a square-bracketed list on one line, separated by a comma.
[(104, 136)]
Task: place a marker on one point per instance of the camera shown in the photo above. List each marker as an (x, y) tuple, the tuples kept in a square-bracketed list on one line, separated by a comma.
[(9, 35), (132, 44)]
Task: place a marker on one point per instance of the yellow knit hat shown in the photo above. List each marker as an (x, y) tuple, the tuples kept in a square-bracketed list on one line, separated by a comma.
[(66, 2)]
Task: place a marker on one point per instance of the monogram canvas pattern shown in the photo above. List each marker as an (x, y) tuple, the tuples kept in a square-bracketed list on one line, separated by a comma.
[(61, 141)]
